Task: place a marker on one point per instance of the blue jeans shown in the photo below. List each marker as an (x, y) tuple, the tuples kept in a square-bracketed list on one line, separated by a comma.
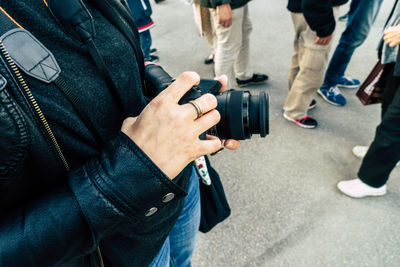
[(362, 15), (145, 43), (179, 246)]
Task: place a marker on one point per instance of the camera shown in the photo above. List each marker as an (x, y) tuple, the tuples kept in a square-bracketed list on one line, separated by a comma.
[(242, 113)]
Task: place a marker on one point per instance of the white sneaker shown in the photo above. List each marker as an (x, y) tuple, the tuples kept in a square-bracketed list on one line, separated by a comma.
[(360, 151), (357, 189)]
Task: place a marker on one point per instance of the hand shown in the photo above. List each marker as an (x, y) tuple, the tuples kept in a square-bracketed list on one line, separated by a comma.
[(230, 143), (224, 15), (169, 133), (323, 40), (392, 35)]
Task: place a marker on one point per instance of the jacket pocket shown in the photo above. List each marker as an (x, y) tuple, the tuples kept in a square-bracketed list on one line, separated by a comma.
[(13, 135)]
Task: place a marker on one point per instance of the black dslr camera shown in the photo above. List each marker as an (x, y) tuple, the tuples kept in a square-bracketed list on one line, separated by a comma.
[(242, 114)]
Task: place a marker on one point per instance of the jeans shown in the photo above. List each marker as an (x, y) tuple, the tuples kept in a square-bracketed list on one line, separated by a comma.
[(179, 246), (384, 152), (362, 15), (145, 43)]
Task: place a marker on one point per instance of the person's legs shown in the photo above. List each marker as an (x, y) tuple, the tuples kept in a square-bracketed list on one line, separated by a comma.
[(183, 235), (362, 15), (163, 257), (229, 42), (208, 29), (242, 63), (294, 64), (179, 246), (312, 60), (145, 43), (384, 152)]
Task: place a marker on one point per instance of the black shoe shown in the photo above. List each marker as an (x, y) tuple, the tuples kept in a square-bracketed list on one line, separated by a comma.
[(312, 105), (153, 50), (306, 122), (158, 1), (152, 58), (256, 79), (344, 18), (209, 60)]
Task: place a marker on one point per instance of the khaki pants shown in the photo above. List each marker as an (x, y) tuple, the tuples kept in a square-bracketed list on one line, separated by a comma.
[(233, 45), (307, 69), (205, 25)]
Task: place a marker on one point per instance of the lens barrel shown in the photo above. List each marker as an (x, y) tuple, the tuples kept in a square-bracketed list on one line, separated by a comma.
[(242, 114)]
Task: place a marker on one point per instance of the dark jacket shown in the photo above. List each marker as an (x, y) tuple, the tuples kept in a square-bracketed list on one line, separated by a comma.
[(141, 11), (214, 3), (53, 217), (318, 14)]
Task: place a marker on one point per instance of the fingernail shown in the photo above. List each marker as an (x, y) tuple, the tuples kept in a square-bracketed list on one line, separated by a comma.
[(227, 143)]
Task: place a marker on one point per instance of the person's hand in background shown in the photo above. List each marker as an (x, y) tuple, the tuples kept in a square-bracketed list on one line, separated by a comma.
[(224, 15), (392, 35)]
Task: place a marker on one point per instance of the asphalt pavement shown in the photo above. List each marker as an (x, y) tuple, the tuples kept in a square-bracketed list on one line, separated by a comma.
[(286, 210)]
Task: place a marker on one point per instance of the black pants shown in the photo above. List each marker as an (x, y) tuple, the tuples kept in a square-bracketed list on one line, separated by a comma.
[(384, 152)]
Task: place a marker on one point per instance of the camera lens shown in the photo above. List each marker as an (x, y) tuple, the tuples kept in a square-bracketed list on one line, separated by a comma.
[(242, 114)]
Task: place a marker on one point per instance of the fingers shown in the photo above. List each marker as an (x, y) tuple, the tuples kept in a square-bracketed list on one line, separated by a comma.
[(180, 86), (318, 41), (205, 103), (232, 144), (207, 147), (323, 40), (229, 144), (207, 121), (223, 79), (226, 23)]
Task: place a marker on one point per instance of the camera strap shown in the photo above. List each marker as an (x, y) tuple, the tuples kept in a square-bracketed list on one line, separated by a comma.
[(77, 22), (35, 60)]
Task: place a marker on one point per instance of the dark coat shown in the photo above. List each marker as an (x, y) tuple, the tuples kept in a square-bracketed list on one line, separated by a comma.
[(53, 217), (318, 14), (214, 3), (141, 11)]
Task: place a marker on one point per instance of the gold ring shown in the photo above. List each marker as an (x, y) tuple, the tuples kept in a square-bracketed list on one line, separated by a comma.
[(197, 107), (219, 150)]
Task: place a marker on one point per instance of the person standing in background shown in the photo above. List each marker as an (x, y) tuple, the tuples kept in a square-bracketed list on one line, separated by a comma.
[(314, 24), (361, 16), (384, 153), (204, 23), (231, 21), (141, 11)]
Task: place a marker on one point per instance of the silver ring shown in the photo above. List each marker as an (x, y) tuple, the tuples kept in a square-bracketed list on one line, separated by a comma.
[(198, 109)]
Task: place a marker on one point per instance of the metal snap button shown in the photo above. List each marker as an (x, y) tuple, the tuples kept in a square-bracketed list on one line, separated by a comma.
[(151, 212), (168, 197)]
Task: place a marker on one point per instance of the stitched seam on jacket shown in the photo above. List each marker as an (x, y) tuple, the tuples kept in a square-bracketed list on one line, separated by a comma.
[(22, 141)]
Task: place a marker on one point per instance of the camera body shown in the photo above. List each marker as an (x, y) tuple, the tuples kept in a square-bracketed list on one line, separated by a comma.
[(242, 113)]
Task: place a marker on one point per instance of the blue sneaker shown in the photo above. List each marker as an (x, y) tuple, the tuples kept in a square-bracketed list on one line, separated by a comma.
[(332, 95), (348, 83)]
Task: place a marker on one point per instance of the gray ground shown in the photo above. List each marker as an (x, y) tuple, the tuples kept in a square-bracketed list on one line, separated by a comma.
[(286, 210)]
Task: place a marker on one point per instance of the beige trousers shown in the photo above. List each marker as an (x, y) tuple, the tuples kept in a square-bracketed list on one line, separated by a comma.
[(307, 69), (205, 25), (233, 45)]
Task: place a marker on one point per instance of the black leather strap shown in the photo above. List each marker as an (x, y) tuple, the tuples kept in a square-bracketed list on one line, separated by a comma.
[(76, 20), (120, 17), (65, 89)]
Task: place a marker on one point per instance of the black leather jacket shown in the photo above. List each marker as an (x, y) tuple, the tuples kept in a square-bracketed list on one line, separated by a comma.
[(53, 217)]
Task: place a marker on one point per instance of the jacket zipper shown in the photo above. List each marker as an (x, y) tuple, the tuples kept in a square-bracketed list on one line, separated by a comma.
[(42, 118), (34, 103)]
